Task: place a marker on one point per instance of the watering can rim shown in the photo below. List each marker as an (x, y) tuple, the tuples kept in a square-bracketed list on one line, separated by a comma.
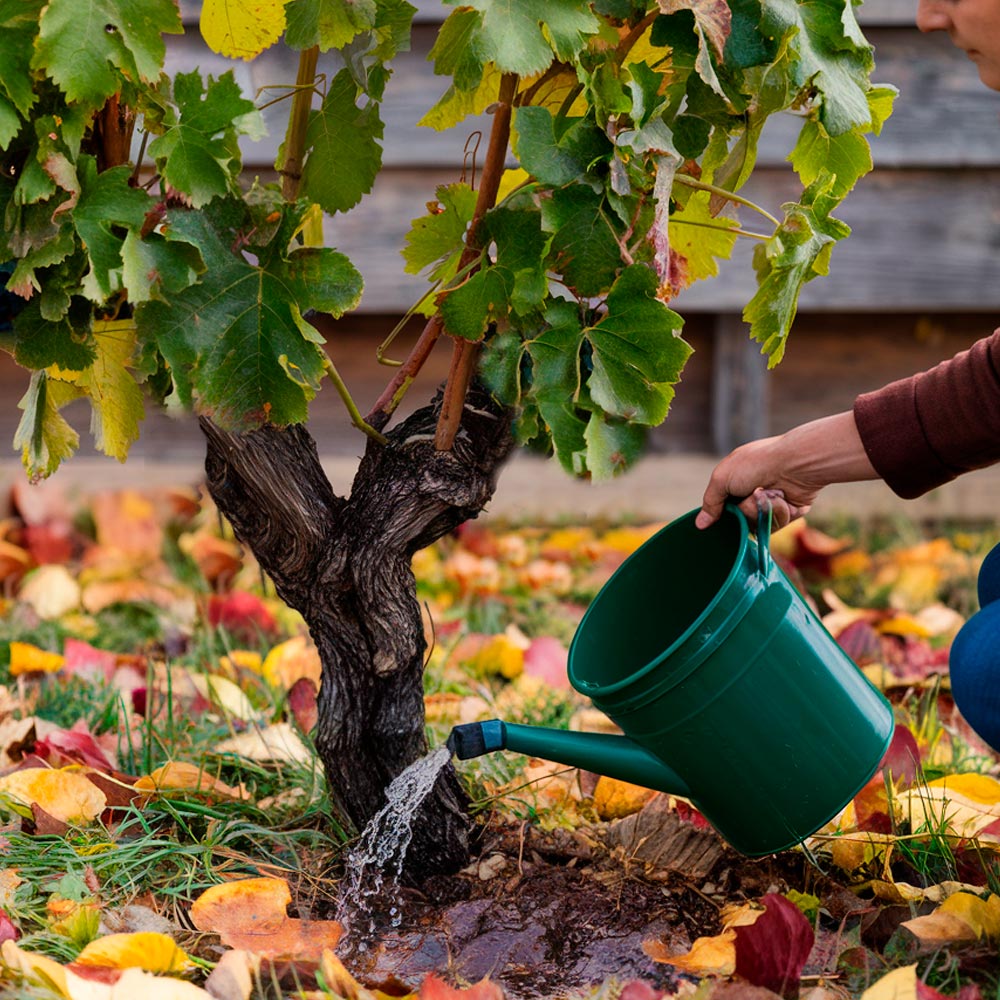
[(604, 691)]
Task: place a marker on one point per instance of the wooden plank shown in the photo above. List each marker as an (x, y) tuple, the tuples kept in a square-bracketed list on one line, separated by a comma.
[(740, 387), (944, 114), (922, 240)]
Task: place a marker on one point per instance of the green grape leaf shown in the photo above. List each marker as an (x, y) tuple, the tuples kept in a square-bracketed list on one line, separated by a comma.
[(154, 267), (393, 24), (712, 25), (584, 244), (480, 300), (116, 400), (18, 30), (10, 122), (456, 51), (236, 342), (637, 351), (798, 251), (43, 435), (555, 353), (556, 160), (198, 154), (24, 279), (846, 156), (612, 446), (330, 24), (325, 280), (830, 56), (567, 430), (39, 342), (436, 240), (520, 36), (106, 201), (500, 366), (344, 153), (87, 46), (747, 45)]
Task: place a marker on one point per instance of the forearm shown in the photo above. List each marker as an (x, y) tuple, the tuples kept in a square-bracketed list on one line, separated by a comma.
[(821, 452)]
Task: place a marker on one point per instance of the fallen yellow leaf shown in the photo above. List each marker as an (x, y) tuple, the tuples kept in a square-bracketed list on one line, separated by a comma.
[(26, 658), (982, 915), (177, 776), (224, 694), (614, 799), (63, 793), (251, 914), (15, 962), (290, 660), (275, 742), (147, 950), (900, 984), (937, 929)]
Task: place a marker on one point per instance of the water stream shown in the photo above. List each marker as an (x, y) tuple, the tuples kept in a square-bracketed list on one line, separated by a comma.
[(375, 863)]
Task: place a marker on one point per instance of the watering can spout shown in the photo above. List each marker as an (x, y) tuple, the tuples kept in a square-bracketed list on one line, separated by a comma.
[(614, 756)]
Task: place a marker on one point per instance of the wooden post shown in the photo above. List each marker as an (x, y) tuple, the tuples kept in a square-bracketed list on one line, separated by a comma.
[(740, 387)]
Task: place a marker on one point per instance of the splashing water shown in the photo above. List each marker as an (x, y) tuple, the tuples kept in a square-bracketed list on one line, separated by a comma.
[(378, 857)]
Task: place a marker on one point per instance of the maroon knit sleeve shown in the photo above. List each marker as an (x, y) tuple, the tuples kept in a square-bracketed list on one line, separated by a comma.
[(925, 430)]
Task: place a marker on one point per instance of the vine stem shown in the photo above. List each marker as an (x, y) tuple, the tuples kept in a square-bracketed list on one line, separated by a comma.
[(298, 121), (465, 352), (352, 407), (721, 229), (728, 195)]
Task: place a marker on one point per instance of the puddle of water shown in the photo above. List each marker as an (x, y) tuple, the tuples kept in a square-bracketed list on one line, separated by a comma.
[(375, 863)]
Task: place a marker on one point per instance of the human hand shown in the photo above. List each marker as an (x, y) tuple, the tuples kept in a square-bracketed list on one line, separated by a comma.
[(788, 471)]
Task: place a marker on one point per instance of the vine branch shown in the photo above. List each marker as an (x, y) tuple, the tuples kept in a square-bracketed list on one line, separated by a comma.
[(465, 352), (298, 121)]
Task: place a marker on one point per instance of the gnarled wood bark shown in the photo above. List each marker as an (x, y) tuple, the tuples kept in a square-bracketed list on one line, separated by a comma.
[(344, 564)]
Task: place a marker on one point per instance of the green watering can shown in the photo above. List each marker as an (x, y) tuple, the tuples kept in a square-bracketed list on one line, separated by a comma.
[(730, 690)]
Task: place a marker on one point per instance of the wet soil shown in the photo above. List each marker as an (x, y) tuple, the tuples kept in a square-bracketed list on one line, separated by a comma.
[(549, 914)]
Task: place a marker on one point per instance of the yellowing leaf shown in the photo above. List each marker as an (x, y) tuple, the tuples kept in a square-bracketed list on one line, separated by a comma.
[(290, 660), (242, 28), (982, 915), (241, 659), (116, 399), (978, 787), (900, 984), (26, 658), (250, 914), (64, 794), (709, 956), (147, 950), (178, 776), (224, 694), (614, 799)]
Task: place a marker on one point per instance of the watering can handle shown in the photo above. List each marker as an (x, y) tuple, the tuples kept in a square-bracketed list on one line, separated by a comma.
[(764, 536)]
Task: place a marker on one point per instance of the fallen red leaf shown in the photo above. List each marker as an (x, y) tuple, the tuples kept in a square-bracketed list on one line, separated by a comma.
[(546, 658), (861, 642), (302, 704), (871, 807), (69, 746), (638, 989), (902, 759), (89, 661), (8, 932), (51, 542), (772, 951), (242, 614)]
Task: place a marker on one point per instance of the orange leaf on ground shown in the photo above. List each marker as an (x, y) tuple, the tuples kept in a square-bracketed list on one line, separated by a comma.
[(26, 659), (177, 776), (127, 522), (433, 988), (64, 794), (708, 956), (251, 914)]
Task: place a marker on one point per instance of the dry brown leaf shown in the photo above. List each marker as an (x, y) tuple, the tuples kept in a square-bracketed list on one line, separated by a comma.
[(251, 914), (937, 929), (278, 742), (178, 776), (233, 976), (63, 793)]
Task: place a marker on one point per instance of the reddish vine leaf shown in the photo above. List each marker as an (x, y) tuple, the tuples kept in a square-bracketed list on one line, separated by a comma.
[(772, 951), (713, 17)]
